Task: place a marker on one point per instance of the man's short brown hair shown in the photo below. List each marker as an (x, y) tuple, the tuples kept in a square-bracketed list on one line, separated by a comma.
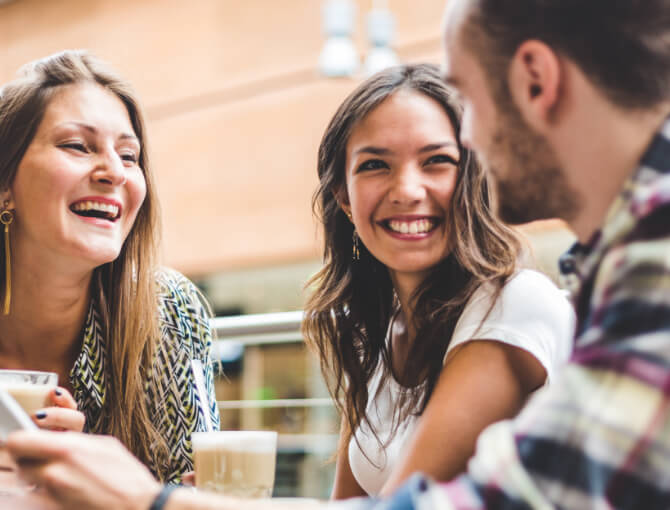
[(621, 46)]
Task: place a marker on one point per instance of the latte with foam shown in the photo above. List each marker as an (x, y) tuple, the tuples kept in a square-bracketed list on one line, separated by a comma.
[(235, 463), (31, 397), (29, 388)]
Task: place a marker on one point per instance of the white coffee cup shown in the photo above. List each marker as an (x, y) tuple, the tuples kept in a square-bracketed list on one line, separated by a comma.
[(239, 463)]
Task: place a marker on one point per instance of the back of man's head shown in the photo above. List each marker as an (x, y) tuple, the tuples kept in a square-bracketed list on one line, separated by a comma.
[(621, 46)]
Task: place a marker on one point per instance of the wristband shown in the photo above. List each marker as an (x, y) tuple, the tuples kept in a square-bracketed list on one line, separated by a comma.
[(162, 497)]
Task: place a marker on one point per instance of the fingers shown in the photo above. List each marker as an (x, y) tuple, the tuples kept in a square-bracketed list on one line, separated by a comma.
[(60, 397), (33, 500), (44, 445), (53, 477), (39, 445), (62, 414), (7, 465), (56, 484), (59, 418), (188, 478), (82, 471)]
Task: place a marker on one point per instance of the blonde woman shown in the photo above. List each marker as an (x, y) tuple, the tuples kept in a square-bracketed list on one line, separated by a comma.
[(82, 293)]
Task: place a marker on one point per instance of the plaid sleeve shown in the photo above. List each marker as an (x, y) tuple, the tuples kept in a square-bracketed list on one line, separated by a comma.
[(600, 436), (598, 441)]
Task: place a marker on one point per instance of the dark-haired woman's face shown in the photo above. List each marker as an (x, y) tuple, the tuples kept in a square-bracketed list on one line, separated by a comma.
[(401, 168)]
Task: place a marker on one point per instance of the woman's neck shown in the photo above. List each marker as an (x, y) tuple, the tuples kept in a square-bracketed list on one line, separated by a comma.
[(48, 310), (405, 286), (403, 327)]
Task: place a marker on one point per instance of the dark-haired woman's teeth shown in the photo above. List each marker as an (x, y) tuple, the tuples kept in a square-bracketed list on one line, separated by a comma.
[(411, 227)]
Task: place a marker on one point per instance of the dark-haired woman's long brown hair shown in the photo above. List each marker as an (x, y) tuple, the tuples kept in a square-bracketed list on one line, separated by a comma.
[(352, 304)]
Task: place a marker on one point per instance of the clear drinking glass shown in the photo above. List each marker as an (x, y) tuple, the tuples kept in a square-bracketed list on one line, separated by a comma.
[(31, 390), (238, 463)]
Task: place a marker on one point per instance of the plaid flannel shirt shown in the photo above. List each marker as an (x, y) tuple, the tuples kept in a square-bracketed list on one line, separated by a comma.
[(599, 438)]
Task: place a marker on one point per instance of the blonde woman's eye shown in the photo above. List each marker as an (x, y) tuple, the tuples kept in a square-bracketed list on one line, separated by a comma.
[(130, 157), (77, 146), (371, 164)]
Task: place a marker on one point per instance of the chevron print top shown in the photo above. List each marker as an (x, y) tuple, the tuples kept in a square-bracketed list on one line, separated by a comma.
[(173, 400)]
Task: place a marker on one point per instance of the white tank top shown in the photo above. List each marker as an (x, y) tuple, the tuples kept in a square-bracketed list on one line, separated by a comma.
[(531, 313)]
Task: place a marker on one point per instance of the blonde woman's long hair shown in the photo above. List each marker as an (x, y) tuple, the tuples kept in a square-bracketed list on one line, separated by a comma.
[(352, 303), (125, 290)]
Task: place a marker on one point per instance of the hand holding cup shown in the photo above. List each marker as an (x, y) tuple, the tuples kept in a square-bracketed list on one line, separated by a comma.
[(61, 413)]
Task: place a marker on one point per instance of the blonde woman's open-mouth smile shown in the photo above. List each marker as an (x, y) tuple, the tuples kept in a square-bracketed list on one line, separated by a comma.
[(99, 211)]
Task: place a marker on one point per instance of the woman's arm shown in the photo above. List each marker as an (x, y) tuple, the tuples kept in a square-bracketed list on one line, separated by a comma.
[(90, 472), (481, 382), (345, 485)]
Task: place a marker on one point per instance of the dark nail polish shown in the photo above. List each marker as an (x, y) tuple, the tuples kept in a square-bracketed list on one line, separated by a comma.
[(40, 415), (58, 392)]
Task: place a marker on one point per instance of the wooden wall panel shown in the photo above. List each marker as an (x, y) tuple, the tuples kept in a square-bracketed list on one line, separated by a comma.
[(235, 107), (176, 49), (242, 176)]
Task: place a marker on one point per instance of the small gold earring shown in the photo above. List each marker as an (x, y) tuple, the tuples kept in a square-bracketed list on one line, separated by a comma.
[(355, 252), (6, 218)]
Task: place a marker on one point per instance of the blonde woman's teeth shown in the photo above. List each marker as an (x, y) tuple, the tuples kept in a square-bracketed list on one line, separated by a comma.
[(109, 210)]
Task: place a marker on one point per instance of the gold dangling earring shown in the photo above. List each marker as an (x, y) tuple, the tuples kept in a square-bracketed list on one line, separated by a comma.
[(6, 217), (355, 251)]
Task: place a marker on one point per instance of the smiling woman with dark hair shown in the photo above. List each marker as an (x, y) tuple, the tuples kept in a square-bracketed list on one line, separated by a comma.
[(425, 325), (82, 294)]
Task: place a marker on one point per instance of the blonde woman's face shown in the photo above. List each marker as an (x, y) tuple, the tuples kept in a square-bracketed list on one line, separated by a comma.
[(401, 168), (79, 187)]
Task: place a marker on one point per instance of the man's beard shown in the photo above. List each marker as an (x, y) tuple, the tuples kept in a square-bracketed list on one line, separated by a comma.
[(530, 182)]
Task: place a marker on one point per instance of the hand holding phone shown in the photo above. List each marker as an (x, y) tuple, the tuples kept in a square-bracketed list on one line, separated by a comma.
[(12, 416)]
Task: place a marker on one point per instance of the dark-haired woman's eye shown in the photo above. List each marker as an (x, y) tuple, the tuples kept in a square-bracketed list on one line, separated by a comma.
[(441, 159), (372, 164)]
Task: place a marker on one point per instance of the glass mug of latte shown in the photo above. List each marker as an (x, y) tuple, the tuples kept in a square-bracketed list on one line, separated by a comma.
[(235, 463), (31, 390)]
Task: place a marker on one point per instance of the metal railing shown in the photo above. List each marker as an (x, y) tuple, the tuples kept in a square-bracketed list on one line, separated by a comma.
[(252, 332), (258, 329), (305, 452)]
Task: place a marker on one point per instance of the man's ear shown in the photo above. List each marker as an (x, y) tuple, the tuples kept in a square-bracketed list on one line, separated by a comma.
[(535, 80)]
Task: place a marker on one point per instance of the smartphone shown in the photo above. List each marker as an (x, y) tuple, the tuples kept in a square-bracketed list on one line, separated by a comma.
[(12, 416)]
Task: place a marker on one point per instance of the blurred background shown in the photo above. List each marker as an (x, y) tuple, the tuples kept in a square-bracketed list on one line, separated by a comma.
[(237, 94)]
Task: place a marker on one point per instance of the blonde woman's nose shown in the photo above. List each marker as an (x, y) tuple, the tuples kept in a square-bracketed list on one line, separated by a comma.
[(110, 169)]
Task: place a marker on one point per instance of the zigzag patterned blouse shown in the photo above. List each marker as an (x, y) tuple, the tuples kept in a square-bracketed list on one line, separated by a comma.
[(186, 335)]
